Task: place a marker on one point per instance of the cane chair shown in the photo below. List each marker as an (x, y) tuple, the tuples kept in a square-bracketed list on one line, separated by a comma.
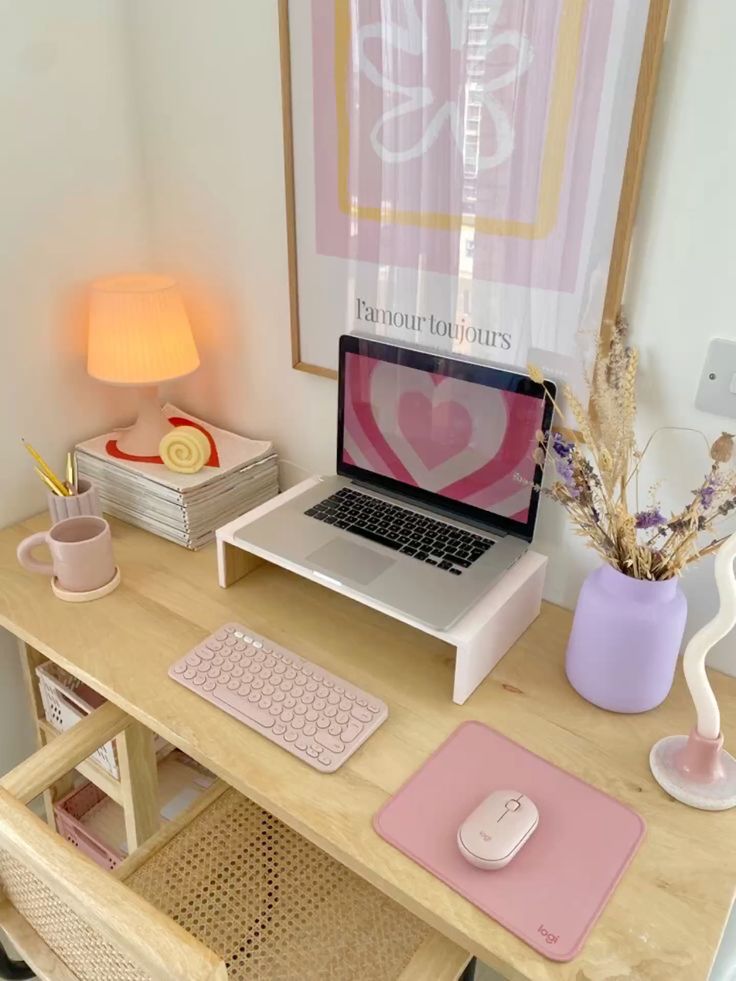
[(225, 891)]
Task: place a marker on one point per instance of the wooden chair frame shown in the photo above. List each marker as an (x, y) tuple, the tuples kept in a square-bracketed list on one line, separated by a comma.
[(146, 937)]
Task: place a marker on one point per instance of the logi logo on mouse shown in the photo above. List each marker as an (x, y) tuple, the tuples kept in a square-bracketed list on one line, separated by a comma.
[(485, 836), (551, 938)]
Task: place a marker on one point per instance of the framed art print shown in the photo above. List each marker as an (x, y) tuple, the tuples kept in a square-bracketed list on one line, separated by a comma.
[(461, 175)]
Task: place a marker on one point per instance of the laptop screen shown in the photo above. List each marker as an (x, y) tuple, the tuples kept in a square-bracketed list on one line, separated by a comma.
[(442, 431)]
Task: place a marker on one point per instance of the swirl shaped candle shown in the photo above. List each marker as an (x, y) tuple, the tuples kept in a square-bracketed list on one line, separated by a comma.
[(184, 449)]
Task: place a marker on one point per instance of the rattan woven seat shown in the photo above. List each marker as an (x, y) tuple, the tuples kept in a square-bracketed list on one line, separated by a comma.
[(225, 891), (271, 904)]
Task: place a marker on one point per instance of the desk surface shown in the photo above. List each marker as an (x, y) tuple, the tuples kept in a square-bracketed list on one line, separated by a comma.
[(664, 920)]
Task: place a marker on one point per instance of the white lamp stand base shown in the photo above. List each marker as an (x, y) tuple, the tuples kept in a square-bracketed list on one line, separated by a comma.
[(716, 795), (144, 436)]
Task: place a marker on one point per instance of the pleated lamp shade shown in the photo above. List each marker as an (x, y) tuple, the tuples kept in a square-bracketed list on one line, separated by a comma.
[(139, 333)]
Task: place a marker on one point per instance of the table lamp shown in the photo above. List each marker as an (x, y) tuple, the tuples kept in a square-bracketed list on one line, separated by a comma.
[(139, 334), (696, 769)]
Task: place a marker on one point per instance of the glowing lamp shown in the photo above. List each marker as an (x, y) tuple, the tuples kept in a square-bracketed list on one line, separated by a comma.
[(139, 334)]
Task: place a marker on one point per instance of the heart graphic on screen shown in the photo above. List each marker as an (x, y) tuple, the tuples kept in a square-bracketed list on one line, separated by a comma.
[(440, 429), (422, 422)]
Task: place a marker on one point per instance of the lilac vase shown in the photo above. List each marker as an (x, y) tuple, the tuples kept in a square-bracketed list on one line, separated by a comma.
[(625, 639)]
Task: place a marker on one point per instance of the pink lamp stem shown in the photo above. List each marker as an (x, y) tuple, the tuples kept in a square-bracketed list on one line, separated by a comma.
[(696, 769), (706, 706), (700, 757)]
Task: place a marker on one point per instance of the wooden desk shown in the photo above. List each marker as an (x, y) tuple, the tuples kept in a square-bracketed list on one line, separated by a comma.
[(665, 919)]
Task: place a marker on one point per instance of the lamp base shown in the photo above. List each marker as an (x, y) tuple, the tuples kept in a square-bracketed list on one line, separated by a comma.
[(669, 761), (144, 436)]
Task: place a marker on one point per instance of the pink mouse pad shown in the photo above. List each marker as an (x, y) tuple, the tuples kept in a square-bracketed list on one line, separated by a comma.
[(555, 888)]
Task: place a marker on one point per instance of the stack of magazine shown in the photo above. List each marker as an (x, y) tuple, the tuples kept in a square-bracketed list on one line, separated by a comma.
[(185, 508)]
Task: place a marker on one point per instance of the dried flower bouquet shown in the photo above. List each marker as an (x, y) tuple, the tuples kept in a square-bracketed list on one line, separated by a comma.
[(597, 472)]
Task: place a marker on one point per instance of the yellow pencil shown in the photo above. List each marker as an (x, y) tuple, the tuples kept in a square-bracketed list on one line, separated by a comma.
[(46, 469), (49, 483)]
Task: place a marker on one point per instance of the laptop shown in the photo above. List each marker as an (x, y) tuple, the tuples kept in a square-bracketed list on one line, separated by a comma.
[(436, 491)]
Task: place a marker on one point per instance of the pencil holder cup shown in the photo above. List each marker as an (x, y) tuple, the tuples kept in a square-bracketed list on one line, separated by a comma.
[(85, 502)]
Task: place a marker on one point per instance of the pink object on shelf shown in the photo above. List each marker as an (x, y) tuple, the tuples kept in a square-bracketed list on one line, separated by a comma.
[(69, 812), (551, 894)]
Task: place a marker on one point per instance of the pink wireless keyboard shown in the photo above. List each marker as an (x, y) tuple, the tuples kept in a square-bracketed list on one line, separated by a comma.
[(316, 716)]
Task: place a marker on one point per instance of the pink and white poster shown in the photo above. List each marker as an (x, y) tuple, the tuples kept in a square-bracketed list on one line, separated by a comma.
[(458, 166)]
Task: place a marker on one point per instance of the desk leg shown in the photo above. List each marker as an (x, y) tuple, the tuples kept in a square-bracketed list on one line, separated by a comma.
[(139, 784), (30, 659)]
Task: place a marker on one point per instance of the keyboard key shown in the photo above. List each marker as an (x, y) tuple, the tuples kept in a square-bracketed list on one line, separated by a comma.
[(361, 714), (252, 712), (455, 572), (351, 732), (332, 743)]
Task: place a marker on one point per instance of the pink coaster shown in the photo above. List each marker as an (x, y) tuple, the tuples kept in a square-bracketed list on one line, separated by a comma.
[(553, 891)]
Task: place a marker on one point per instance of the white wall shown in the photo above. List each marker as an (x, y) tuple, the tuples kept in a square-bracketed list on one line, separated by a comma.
[(209, 93), (71, 207)]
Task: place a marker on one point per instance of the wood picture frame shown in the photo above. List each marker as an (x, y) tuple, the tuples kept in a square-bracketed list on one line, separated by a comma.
[(631, 184)]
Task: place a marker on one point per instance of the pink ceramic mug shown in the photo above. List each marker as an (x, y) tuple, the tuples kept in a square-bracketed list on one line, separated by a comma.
[(81, 553)]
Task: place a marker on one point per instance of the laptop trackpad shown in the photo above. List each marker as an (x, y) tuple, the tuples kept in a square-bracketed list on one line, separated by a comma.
[(348, 561)]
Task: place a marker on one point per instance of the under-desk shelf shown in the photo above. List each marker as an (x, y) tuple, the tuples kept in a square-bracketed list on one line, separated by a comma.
[(88, 768), (93, 772)]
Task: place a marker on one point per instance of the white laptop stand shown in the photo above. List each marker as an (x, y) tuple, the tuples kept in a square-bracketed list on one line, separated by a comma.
[(480, 637)]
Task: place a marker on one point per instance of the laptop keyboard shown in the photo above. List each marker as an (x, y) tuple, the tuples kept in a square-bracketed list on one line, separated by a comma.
[(425, 539)]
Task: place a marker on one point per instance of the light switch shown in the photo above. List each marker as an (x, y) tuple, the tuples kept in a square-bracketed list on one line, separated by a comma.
[(717, 388)]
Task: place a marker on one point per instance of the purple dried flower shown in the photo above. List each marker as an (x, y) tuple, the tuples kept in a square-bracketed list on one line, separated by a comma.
[(566, 473), (707, 491), (562, 447), (652, 518)]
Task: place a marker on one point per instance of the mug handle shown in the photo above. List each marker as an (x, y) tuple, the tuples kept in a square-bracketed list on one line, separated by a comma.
[(25, 556)]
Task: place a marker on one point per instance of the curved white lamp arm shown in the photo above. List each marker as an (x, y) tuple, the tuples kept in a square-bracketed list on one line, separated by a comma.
[(709, 718)]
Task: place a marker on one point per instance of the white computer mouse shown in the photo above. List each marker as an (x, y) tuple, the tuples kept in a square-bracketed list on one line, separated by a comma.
[(497, 829)]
